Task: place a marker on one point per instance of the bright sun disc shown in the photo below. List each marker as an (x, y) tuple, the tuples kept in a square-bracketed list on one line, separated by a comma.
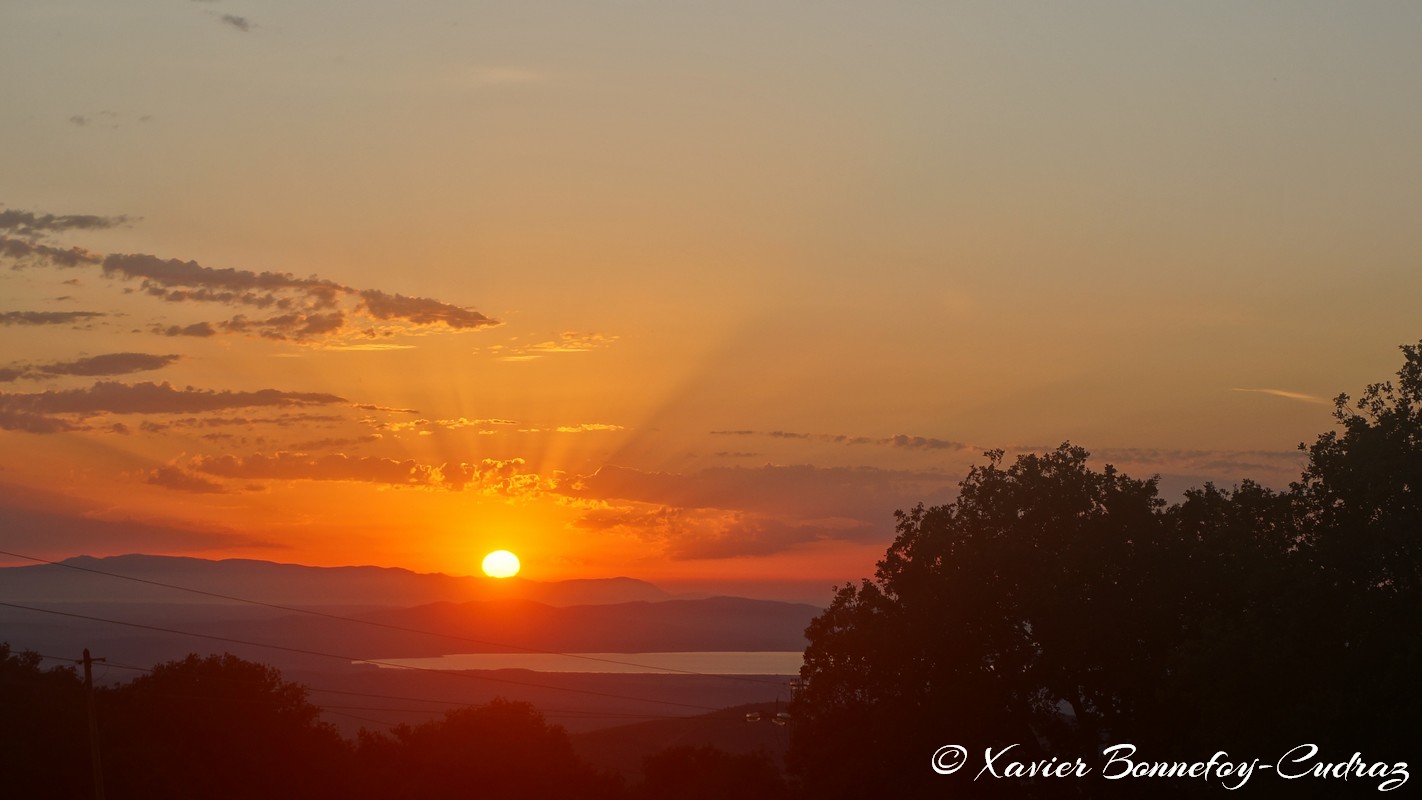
[(501, 564)]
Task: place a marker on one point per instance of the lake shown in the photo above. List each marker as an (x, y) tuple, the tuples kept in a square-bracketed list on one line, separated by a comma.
[(709, 663)]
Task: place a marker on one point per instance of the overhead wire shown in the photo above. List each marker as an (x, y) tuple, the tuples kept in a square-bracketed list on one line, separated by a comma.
[(353, 659), (549, 713), (387, 626)]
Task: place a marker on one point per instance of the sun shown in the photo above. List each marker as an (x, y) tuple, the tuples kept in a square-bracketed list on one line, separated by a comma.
[(501, 564)]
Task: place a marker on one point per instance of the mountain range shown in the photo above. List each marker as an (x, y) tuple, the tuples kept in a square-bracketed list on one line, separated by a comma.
[(290, 614)]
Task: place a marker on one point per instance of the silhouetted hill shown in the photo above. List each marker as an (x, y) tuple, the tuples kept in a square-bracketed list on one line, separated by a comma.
[(291, 584), (142, 623), (717, 623)]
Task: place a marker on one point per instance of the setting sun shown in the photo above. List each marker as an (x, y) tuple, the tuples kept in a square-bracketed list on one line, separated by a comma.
[(501, 564)]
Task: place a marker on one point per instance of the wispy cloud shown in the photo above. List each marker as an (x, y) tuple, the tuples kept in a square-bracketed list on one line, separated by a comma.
[(240, 23), (1299, 396), (46, 317), (198, 329), (421, 311), (307, 310), (806, 492), (23, 253), (689, 534), (172, 477), (66, 410), (93, 366), (28, 224), (507, 478), (333, 443), (900, 440), (567, 342), (302, 420)]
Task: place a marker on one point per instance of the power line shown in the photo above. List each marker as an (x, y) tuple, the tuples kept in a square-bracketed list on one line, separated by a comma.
[(353, 659), (341, 710), (106, 663), (548, 712), (387, 626)]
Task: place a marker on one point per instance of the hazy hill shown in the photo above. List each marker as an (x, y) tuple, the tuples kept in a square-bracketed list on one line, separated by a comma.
[(400, 613), (291, 584), (718, 623)]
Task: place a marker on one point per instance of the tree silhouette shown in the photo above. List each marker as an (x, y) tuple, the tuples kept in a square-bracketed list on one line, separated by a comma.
[(709, 773), (503, 749), (1056, 607), (1034, 593), (44, 746), (218, 727)]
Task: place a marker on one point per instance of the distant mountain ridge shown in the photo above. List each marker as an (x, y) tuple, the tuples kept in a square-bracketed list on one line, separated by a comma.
[(363, 612), (292, 584)]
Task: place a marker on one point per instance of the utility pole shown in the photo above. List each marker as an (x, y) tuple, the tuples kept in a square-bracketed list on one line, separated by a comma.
[(93, 726)]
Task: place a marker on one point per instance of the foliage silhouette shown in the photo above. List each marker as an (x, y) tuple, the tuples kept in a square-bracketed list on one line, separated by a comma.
[(44, 745), (1058, 608), (217, 727), (503, 749), (709, 773)]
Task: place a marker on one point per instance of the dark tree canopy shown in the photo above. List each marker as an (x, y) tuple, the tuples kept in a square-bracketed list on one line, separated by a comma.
[(709, 773), (1058, 607), (217, 727), (504, 749), (44, 750)]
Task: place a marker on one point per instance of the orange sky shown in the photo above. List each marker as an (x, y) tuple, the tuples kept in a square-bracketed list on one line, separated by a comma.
[(692, 293)]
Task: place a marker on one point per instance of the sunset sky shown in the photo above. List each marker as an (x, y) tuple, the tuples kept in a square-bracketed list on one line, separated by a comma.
[(695, 292)]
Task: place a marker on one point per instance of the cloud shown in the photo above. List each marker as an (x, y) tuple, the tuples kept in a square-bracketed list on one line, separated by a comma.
[(15, 419), (310, 308), (371, 407), (29, 224), (689, 534), (900, 440), (490, 476), (722, 512), (923, 442), (35, 412), (283, 421), (582, 427), (567, 342), (482, 425), (32, 254), (421, 311), (240, 23), (295, 325), (107, 364), (574, 342), (106, 118), (302, 309), (859, 493), (173, 272), (200, 329), (171, 477), (1231, 464), (373, 347), (1300, 396), (493, 425), (46, 317), (331, 443)]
